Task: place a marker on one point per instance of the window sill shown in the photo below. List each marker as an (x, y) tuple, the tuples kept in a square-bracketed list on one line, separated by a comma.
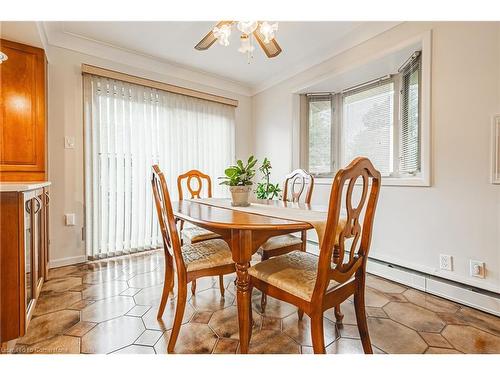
[(386, 181)]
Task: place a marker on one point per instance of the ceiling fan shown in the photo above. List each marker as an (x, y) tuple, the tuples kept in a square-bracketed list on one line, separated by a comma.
[(262, 31)]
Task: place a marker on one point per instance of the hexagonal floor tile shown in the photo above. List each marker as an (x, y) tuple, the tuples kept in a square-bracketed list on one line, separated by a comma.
[(274, 308), (375, 298), (147, 279), (430, 302), (104, 290), (414, 316), (225, 323), (226, 346), (61, 285), (471, 340), (300, 330), (167, 320), (272, 342), (346, 308), (49, 325), (135, 349), (481, 320), (56, 345), (384, 285), (211, 300), (149, 296), (107, 309), (194, 338), (433, 350), (112, 335), (50, 302), (435, 339), (393, 337)]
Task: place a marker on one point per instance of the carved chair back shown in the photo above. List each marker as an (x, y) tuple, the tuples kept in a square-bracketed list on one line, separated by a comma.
[(358, 228), (195, 190), (295, 184), (166, 219)]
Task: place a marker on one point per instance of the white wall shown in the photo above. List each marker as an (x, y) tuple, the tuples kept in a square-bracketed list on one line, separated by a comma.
[(460, 213), (66, 119)]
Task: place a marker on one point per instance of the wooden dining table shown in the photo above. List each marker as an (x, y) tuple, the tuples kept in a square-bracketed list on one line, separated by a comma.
[(244, 232)]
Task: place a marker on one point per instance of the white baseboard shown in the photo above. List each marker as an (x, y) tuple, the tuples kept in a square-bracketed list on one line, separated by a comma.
[(485, 301), (61, 262)]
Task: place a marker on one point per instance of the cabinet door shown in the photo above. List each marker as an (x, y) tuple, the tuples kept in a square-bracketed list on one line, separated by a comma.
[(22, 118)]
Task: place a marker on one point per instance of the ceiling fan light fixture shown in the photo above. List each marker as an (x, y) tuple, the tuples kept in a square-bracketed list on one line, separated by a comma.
[(246, 46), (268, 30), (222, 34), (3, 57), (247, 27)]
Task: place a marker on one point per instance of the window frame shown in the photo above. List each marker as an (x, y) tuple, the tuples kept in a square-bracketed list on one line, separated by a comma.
[(423, 178)]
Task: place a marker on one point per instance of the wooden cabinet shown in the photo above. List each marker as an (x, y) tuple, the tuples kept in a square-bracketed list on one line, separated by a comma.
[(23, 257), (23, 113)]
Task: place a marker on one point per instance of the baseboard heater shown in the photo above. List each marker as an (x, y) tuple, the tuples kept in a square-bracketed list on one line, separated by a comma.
[(477, 298)]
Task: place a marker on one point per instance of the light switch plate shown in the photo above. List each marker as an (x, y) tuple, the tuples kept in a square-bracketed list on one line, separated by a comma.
[(69, 142), (70, 219)]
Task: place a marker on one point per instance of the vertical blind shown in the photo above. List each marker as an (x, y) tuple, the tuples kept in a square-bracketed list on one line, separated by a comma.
[(128, 128), (367, 126)]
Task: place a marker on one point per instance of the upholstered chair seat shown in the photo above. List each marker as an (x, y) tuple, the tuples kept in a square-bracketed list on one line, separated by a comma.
[(280, 242), (193, 234), (295, 273), (206, 254)]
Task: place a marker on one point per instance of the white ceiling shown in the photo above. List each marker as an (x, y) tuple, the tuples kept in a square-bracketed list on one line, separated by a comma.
[(304, 44)]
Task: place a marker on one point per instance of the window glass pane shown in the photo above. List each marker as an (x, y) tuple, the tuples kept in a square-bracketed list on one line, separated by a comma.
[(410, 145), (367, 126), (320, 134)]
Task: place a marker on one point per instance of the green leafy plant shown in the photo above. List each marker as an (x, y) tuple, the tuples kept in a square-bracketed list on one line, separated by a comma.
[(239, 174), (265, 189)]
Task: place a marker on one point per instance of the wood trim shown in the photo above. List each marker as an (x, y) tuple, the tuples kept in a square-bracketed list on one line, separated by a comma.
[(95, 70)]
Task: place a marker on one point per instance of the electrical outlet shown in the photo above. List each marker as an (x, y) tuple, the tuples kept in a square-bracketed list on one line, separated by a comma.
[(446, 262), (477, 269)]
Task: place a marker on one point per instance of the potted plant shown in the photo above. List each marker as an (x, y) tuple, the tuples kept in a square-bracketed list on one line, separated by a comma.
[(265, 189), (239, 179)]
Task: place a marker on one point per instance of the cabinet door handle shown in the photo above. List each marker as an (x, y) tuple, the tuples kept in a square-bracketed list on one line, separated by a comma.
[(47, 198), (38, 205)]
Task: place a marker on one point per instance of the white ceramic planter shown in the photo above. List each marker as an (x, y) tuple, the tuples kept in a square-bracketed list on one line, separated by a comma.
[(240, 195)]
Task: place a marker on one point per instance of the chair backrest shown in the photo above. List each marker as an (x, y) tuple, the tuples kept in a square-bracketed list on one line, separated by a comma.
[(194, 191), (358, 224), (166, 219), (300, 178)]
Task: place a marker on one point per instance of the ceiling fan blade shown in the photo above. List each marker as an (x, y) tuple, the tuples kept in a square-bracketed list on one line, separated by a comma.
[(210, 38), (272, 49)]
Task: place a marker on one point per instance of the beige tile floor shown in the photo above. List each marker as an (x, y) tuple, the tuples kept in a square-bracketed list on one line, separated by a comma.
[(110, 307)]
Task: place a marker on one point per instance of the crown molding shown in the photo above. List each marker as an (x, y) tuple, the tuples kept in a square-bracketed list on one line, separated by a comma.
[(357, 36), (55, 35)]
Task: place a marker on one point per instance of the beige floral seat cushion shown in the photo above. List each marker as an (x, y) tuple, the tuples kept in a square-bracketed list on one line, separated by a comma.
[(206, 254), (294, 273), (192, 234), (279, 242)]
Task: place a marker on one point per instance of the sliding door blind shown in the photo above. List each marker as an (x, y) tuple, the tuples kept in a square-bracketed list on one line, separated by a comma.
[(367, 126), (128, 128)]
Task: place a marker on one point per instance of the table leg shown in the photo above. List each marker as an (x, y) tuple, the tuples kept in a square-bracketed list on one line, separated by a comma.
[(244, 301), (242, 249)]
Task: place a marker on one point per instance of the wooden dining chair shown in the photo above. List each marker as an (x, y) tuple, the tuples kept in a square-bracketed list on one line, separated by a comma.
[(192, 233), (317, 283), (206, 258), (284, 244)]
